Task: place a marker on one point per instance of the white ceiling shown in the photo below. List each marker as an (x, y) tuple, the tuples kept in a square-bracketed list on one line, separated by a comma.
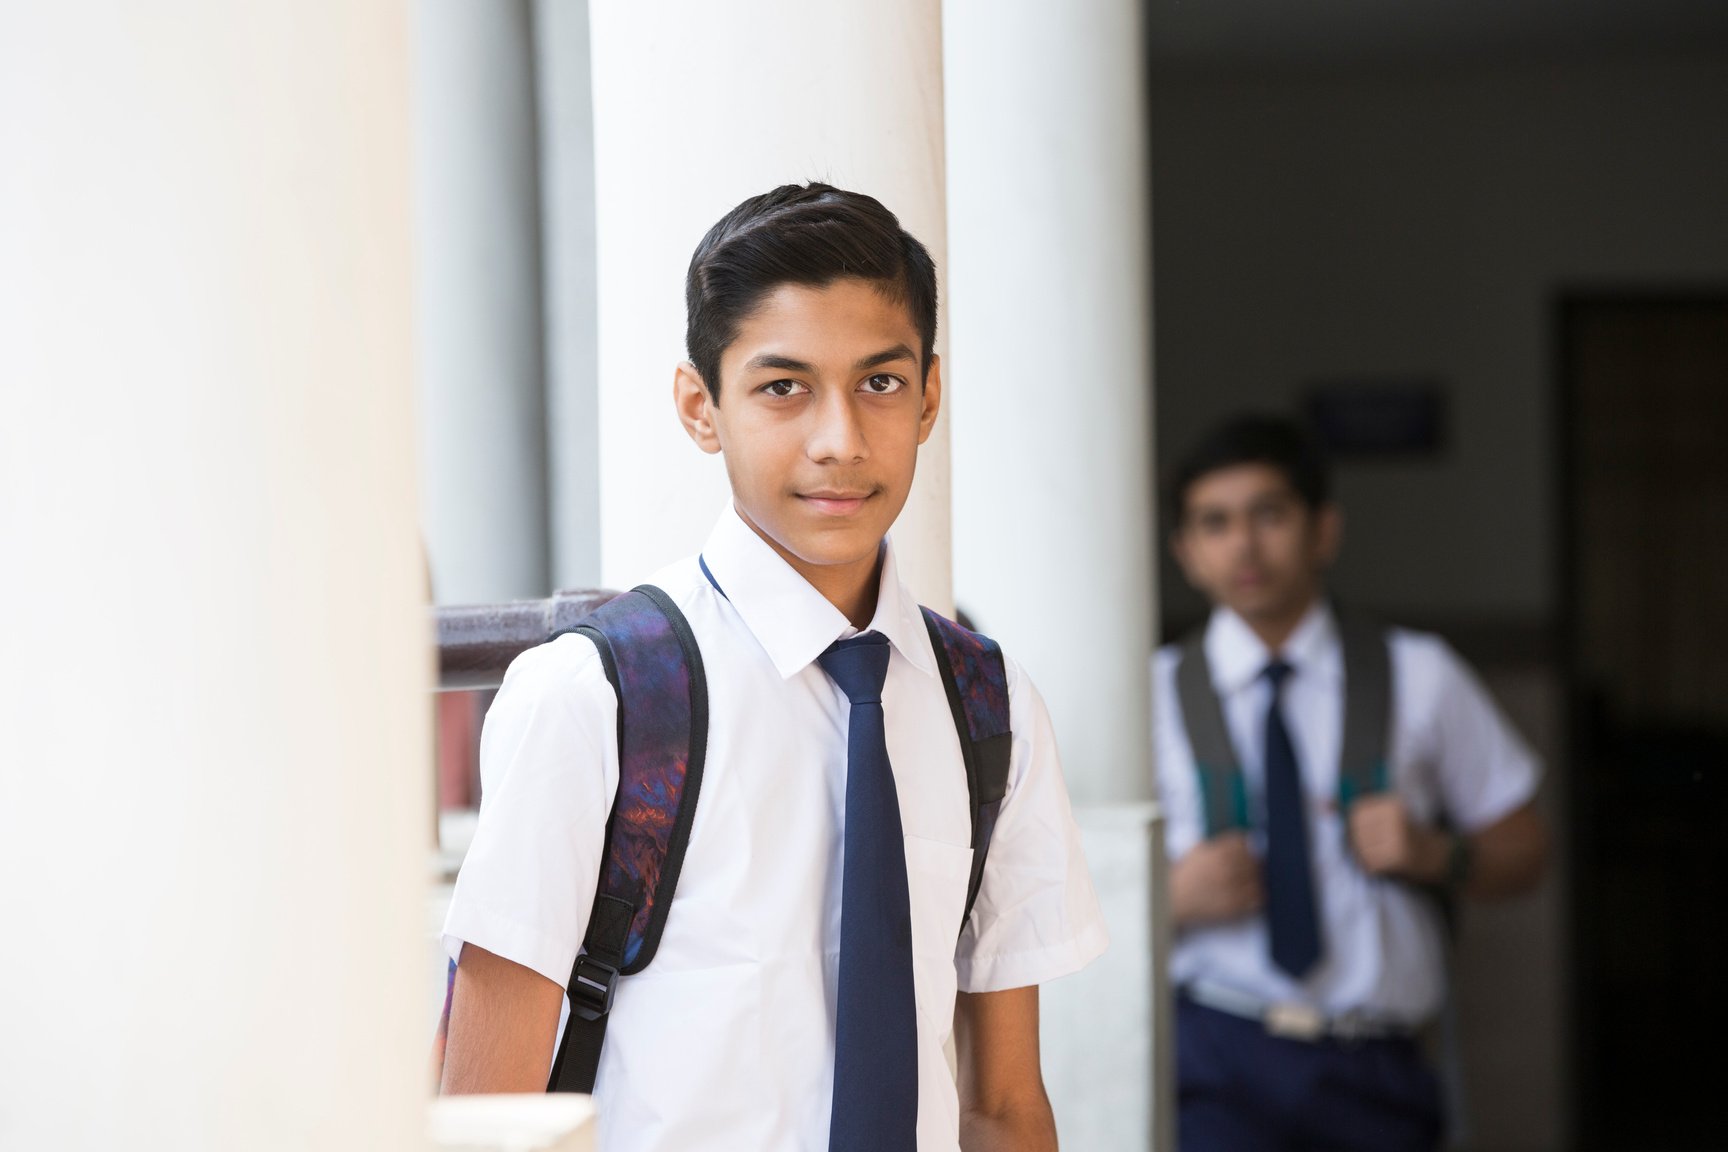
[(1203, 31)]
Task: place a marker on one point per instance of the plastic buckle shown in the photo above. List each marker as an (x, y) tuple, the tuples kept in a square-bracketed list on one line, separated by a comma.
[(592, 987)]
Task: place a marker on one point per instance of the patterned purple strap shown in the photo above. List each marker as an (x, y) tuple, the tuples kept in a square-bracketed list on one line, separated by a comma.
[(976, 678), (662, 734), (655, 668)]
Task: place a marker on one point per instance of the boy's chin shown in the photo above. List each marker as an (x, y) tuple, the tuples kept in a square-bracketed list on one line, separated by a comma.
[(834, 547), (1269, 605), (836, 544)]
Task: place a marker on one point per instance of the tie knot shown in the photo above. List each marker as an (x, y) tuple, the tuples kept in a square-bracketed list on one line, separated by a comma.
[(858, 665), (1276, 673)]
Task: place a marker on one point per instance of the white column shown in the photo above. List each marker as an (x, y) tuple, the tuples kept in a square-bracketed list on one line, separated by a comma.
[(1052, 369), (478, 323), (1050, 383), (696, 106), (216, 677), (566, 106)]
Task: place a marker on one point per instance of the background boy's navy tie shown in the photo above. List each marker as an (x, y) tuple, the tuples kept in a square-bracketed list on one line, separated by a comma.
[(1293, 921), (876, 1020)]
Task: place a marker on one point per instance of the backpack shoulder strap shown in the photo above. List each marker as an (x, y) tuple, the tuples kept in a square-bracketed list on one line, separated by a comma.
[(1223, 792), (1362, 768), (655, 669), (976, 679)]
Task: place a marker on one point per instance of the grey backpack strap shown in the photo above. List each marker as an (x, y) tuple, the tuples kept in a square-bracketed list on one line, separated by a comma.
[(1362, 769), (1223, 794)]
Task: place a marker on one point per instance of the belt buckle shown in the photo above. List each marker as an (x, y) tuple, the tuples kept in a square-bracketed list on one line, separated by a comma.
[(1353, 1028), (1295, 1022)]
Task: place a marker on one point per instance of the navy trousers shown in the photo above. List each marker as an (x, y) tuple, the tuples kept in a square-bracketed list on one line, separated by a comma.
[(1241, 1090)]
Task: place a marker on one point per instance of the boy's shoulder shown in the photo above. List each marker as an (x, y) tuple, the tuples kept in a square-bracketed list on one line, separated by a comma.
[(566, 667)]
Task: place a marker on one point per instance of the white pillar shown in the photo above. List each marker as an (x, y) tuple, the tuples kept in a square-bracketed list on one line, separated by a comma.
[(1050, 383), (696, 106), (563, 64), (1052, 368), (478, 323), (216, 683)]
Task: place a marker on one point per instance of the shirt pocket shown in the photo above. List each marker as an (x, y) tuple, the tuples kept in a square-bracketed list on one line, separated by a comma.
[(937, 875)]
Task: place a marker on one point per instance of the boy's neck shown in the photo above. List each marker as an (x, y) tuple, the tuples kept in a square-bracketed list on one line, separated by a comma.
[(851, 587), (1275, 631)]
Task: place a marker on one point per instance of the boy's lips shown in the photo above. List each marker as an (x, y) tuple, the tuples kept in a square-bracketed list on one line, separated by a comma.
[(836, 501)]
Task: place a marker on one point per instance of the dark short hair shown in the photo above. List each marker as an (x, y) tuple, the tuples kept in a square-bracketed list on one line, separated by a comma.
[(1272, 440), (809, 234)]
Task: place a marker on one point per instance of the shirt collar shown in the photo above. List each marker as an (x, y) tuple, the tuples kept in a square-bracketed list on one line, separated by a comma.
[(792, 621), (1238, 656)]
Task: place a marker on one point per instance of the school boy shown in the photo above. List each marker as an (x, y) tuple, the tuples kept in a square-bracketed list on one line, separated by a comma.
[(1372, 779), (811, 322)]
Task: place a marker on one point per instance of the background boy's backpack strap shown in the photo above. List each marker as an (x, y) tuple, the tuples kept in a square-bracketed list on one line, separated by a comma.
[(976, 679), (1223, 791), (1362, 768), (655, 668)]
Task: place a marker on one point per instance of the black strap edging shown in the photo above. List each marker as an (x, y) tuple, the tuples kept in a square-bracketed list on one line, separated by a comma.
[(594, 977), (986, 768)]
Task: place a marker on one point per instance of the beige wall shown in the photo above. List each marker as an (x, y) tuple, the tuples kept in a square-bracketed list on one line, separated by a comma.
[(1511, 967), (1421, 221)]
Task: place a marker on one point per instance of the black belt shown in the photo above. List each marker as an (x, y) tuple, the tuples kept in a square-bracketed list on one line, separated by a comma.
[(1293, 1020)]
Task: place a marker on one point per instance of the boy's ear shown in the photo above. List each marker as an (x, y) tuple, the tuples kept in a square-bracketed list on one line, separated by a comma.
[(695, 407), (1183, 555), (932, 398), (1329, 529)]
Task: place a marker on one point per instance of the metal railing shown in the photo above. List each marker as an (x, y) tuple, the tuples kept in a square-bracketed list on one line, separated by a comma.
[(476, 642)]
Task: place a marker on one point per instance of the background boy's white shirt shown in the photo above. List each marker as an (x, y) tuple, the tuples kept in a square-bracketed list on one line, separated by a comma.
[(1453, 754), (726, 1040)]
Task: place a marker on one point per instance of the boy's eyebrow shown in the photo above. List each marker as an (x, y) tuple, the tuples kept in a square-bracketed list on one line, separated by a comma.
[(778, 363), (886, 356)]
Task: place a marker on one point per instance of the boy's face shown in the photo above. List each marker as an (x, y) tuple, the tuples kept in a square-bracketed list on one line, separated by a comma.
[(820, 417), (1251, 543)]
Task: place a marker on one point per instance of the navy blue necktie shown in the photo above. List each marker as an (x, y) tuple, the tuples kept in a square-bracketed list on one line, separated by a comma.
[(876, 1019), (1291, 916)]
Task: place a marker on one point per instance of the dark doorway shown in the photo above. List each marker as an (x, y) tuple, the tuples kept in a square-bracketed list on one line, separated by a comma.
[(1644, 394)]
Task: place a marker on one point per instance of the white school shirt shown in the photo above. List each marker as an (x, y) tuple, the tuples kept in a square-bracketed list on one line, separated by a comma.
[(726, 1040), (1453, 754)]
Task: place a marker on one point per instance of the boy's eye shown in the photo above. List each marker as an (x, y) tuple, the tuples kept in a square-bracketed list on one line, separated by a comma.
[(781, 388), (1269, 514), (883, 384)]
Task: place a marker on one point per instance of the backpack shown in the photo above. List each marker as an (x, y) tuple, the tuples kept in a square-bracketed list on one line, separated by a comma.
[(1363, 764), (1362, 768), (655, 668)]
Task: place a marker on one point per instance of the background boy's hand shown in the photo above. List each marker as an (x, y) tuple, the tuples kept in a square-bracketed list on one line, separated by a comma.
[(1218, 880), (1388, 842)]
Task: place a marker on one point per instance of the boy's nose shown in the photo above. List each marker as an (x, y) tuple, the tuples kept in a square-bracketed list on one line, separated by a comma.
[(1243, 542), (837, 436)]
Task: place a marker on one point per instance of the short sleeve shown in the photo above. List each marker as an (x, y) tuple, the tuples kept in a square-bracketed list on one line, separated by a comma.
[(1483, 768), (1037, 916), (548, 773), (1178, 786)]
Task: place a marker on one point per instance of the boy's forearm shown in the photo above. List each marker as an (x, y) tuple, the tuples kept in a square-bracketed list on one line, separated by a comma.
[(1507, 858), (503, 1027), (1028, 1129), (1003, 1105)]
